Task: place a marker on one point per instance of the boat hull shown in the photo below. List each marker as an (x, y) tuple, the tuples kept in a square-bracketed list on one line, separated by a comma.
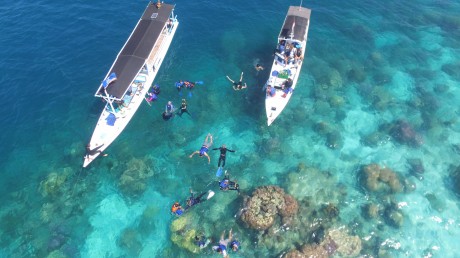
[(104, 134)]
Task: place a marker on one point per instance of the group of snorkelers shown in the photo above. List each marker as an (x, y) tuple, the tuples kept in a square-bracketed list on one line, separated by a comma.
[(224, 185)]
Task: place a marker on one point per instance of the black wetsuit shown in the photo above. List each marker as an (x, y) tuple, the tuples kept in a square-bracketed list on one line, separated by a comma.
[(183, 109), (91, 152), (223, 152), (194, 200)]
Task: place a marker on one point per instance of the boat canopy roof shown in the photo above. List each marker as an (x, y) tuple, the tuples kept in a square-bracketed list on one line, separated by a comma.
[(136, 50), (296, 23)]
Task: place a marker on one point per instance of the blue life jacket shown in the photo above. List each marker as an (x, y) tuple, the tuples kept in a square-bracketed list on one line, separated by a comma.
[(179, 212), (235, 243), (224, 184)]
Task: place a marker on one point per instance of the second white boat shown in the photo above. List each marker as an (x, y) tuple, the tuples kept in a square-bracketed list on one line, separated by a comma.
[(289, 55)]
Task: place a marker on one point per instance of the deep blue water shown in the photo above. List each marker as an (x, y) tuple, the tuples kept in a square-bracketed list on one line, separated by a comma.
[(374, 70)]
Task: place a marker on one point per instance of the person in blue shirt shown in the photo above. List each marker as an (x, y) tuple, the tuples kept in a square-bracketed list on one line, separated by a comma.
[(226, 185)]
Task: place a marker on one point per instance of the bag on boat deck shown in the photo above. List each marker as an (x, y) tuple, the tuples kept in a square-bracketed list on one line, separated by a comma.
[(111, 119)]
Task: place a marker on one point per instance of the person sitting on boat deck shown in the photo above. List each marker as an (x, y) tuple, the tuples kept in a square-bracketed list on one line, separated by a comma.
[(204, 148), (223, 243), (226, 184), (289, 53), (281, 47), (259, 67), (298, 55), (179, 85), (286, 86), (92, 152), (271, 91), (202, 241), (235, 245), (192, 200), (120, 103), (183, 108), (223, 152), (238, 85), (176, 209)]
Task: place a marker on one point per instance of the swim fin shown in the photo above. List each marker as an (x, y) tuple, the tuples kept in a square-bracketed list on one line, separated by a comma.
[(190, 94), (219, 172), (199, 82), (210, 195)]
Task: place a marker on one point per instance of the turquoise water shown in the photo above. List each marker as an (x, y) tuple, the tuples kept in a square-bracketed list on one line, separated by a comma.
[(379, 85)]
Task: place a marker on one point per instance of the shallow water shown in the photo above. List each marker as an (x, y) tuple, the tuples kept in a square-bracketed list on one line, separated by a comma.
[(379, 85)]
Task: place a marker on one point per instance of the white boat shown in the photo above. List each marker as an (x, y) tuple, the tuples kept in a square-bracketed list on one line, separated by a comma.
[(132, 74), (292, 40)]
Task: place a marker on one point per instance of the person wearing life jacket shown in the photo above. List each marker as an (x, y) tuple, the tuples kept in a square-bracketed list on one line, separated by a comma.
[(226, 185), (223, 243), (202, 242), (177, 209), (271, 91), (204, 148), (235, 245), (179, 85), (169, 111), (192, 200)]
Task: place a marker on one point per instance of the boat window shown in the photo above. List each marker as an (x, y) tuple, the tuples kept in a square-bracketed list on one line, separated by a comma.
[(154, 16)]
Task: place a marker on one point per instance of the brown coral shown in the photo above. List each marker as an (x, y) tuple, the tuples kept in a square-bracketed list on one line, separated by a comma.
[(266, 203)]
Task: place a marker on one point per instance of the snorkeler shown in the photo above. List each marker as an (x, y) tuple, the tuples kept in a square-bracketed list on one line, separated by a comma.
[(192, 200), (226, 184), (204, 148), (183, 108), (223, 243), (202, 241), (238, 85), (176, 209), (92, 152), (223, 152)]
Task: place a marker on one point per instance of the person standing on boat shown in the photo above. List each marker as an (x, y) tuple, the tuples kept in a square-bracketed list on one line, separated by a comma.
[(223, 153), (204, 148), (183, 108), (238, 85)]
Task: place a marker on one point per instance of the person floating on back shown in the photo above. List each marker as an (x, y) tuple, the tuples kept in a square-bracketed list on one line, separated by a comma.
[(176, 209), (204, 148), (223, 243), (238, 85), (226, 184)]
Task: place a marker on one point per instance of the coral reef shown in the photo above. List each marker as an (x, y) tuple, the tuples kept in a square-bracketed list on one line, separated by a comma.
[(54, 183), (133, 181), (378, 179), (266, 203), (336, 243), (455, 175), (131, 241), (404, 133)]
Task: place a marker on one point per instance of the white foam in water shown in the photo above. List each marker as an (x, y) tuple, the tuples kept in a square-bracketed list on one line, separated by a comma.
[(112, 216)]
